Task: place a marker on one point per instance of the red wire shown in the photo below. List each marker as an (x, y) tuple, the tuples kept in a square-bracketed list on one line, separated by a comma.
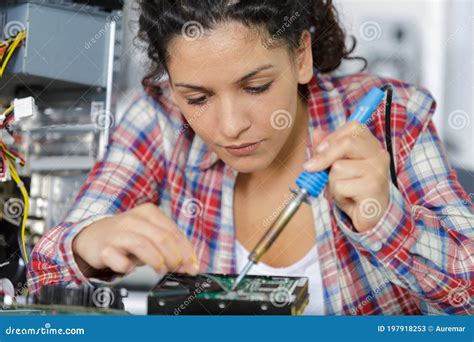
[(7, 121)]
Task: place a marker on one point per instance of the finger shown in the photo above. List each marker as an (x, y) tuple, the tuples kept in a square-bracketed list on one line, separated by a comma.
[(140, 247), (171, 243), (319, 136), (348, 169), (353, 129), (151, 212), (348, 188), (344, 148), (117, 261), (163, 240)]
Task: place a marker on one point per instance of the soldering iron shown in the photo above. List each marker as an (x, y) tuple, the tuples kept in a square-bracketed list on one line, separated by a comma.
[(309, 184)]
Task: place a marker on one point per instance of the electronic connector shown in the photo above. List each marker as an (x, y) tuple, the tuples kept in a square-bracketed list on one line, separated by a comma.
[(24, 108)]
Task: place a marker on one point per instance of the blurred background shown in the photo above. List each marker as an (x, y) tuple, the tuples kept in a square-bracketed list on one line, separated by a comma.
[(79, 64)]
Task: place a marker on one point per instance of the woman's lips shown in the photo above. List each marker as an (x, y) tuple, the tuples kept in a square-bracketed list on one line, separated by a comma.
[(244, 149)]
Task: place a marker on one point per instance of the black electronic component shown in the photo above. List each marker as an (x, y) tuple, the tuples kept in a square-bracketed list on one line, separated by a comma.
[(83, 296), (210, 294)]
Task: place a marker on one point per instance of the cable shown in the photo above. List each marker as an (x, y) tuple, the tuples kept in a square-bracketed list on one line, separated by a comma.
[(388, 89), (17, 40), (8, 114), (8, 110), (12, 154), (24, 193), (6, 42)]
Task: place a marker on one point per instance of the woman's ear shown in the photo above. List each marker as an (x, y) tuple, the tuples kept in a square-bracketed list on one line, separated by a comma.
[(304, 58)]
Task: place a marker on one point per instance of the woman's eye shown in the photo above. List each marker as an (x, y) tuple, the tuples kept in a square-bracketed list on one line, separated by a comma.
[(197, 101), (258, 90), (252, 90)]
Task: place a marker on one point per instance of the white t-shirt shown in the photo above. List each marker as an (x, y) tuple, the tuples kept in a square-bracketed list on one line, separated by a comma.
[(308, 266)]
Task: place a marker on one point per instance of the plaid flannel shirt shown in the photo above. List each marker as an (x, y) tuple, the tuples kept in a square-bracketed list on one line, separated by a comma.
[(417, 260)]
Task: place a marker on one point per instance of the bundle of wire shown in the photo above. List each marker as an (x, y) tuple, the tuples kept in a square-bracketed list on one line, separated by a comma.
[(12, 158), (8, 47), (8, 117)]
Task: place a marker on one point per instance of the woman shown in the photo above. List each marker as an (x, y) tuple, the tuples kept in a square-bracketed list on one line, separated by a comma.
[(199, 166)]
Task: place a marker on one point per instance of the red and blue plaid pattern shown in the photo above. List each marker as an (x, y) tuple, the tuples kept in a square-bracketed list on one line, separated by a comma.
[(417, 260)]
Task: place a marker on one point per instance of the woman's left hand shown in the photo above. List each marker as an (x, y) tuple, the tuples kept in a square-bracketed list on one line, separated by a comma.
[(358, 172)]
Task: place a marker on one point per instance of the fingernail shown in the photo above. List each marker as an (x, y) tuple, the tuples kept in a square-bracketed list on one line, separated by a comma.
[(310, 164), (322, 146), (192, 269)]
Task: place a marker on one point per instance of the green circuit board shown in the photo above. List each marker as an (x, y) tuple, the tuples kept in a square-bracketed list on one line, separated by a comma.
[(217, 287), (256, 289), (211, 294)]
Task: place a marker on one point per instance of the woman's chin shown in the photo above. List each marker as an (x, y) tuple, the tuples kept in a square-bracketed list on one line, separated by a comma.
[(248, 164)]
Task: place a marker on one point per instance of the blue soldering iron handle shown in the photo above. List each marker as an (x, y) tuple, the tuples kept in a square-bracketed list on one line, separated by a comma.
[(314, 182)]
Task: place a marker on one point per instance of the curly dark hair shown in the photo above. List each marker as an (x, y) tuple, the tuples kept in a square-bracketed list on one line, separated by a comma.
[(281, 21)]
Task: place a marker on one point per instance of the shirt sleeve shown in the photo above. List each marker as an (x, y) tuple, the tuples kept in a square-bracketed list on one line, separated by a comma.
[(424, 241), (129, 174)]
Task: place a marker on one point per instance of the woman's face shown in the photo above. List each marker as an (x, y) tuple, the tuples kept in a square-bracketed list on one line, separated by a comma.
[(234, 91)]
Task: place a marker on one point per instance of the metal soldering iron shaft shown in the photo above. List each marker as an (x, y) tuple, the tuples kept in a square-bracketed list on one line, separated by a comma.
[(272, 234), (242, 274)]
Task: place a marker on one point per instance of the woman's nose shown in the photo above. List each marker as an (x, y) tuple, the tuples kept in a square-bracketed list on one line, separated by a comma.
[(233, 120)]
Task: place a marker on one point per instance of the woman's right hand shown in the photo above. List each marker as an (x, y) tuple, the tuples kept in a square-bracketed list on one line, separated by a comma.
[(143, 235)]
